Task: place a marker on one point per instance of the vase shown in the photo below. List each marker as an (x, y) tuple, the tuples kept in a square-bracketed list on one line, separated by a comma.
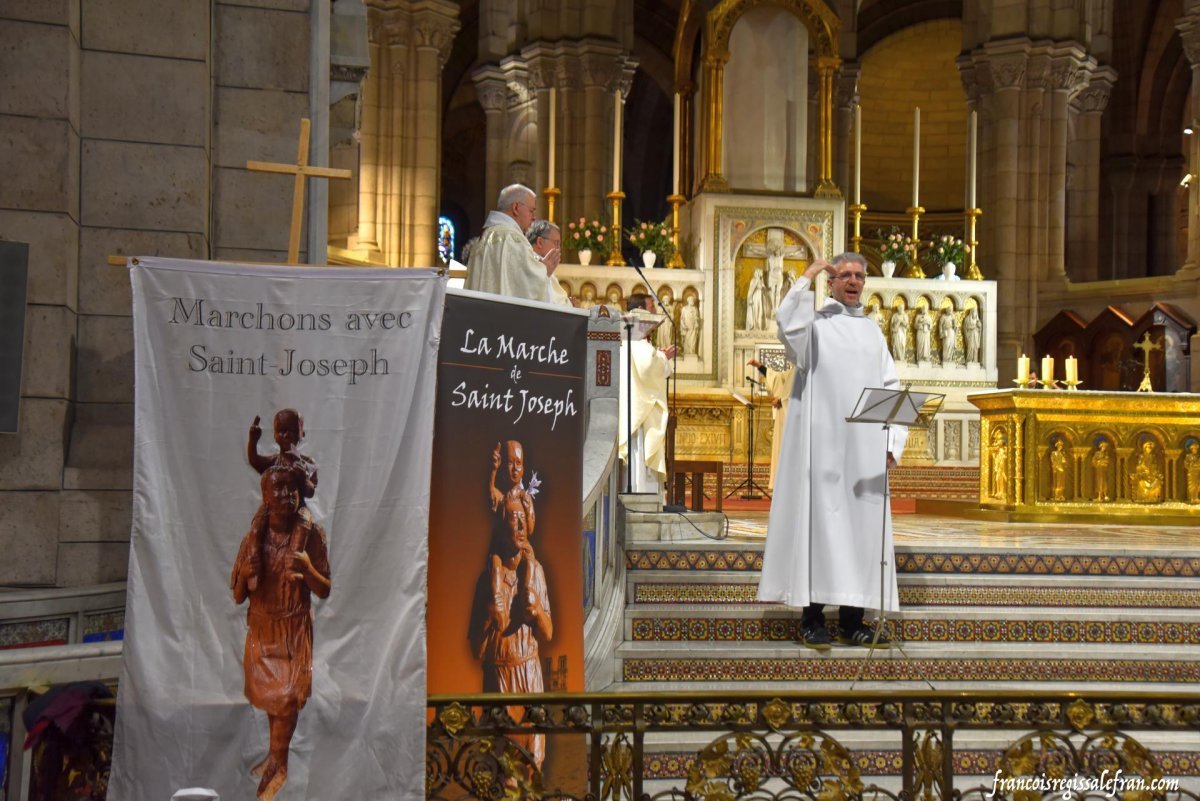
[(888, 268), (648, 258), (585, 257), (948, 271)]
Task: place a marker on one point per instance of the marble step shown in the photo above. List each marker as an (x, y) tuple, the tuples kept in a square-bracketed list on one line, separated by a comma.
[(1022, 663), (964, 625)]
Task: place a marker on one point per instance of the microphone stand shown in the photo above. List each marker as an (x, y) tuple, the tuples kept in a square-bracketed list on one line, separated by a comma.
[(676, 504), (629, 403), (749, 483)]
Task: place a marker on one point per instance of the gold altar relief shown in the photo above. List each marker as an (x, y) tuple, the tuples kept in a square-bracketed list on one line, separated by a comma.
[(767, 264), (1059, 455), (714, 425)]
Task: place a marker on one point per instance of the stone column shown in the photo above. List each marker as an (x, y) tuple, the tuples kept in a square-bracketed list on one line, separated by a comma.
[(687, 138), (1189, 33), (1066, 78), (492, 90), (398, 202), (843, 132), (1083, 191)]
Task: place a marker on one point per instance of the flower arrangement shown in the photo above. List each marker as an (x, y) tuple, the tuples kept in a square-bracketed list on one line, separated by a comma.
[(653, 237), (584, 234), (896, 247), (947, 249)]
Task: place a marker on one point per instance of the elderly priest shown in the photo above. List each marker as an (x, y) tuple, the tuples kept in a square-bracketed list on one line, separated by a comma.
[(502, 261), (823, 534)]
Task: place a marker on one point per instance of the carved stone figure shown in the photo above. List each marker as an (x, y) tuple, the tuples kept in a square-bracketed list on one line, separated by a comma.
[(511, 610), (1191, 471), (1101, 459), (972, 335), (282, 562), (1146, 480), (689, 327), (876, 315), (587, 296), (898, 327), (946, 331), (1058, 471), (756, 300), (923, 338), (664, 335), (999, 467)]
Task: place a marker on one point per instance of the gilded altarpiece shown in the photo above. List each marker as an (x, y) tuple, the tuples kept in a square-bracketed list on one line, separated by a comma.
[(1059, 455)]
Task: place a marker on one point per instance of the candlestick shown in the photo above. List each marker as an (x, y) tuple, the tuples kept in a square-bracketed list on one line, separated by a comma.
[(1048, 372), (972, 273), (1022, 379), (857, 210), (914, 267), (553, 121), (676, 261), (973, 144), (616, 141), (614, 255), (858, 160), (675, 149), (916, 156), (551, 193)]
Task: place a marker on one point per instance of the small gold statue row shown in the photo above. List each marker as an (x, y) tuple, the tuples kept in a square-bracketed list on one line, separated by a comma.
[(1140, 469)]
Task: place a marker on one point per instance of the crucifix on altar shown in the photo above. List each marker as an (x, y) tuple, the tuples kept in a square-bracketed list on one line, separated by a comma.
[(301, 170), (1145, 345), (774, 250)]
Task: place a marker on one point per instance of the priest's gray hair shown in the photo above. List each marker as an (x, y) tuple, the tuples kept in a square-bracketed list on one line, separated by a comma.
[(857, 258), (513, 193), (540, 229)]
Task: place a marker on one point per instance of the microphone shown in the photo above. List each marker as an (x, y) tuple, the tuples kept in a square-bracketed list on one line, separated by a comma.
[(752, 381)]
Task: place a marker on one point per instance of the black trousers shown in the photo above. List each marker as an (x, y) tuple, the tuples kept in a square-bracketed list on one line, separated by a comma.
[(850, 618)]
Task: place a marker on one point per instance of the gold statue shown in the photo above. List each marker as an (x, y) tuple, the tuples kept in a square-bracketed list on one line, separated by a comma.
[(999, 467), (1146, 480), (1191, 470), (1101, 459), (1058, 471)]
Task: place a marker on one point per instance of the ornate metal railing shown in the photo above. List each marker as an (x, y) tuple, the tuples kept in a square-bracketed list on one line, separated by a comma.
[(764, 745)]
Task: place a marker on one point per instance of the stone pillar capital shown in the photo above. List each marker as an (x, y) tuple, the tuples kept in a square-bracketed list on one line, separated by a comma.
[(1093, 97), (847, 85), (491, 86), (1189, 34), (577, 64)]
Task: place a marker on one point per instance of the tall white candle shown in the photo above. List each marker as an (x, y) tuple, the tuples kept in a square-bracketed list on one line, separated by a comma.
[(973, 144), (617, 141), (553, 123), (857, 154), (917, 157), (675, 150)]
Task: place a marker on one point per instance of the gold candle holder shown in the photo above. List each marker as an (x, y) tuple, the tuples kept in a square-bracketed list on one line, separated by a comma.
[(856, 211), (551, 193), (973, 273), (1073, 384), (1023, 383), (914, 267), (614, 255), (676, 261)]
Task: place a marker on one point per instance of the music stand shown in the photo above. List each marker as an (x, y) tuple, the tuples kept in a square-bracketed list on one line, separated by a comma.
[(644, 322), (750, 485), (888, 407)]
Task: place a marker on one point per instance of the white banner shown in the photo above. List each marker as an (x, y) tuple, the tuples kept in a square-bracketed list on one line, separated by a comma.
[(278, 583)]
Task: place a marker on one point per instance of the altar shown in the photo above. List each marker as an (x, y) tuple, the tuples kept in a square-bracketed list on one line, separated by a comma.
[(1060, 455)]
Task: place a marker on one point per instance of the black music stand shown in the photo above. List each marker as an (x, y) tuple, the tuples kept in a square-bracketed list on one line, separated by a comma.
[(751, 486), (890, 407)]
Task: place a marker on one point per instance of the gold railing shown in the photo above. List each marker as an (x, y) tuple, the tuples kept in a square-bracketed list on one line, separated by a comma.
[(765, 745)]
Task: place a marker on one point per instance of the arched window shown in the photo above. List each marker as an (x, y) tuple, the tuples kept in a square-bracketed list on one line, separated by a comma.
[(445, 239)]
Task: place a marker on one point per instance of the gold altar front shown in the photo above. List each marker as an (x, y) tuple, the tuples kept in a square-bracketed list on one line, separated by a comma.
[(1055, 455)]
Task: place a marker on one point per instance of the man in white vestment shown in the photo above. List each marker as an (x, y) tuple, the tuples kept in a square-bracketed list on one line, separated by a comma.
[(646, 458), (503, 262), (827, 512), (545, 239), (779, 387)]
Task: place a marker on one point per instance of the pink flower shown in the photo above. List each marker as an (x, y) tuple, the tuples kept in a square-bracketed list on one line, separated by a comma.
[(600, 237)]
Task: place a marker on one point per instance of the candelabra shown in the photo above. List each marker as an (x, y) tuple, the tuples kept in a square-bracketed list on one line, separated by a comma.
[(614, 255), (857, 209), (676, 260), (914, 265), (973, 273), (551, 193)]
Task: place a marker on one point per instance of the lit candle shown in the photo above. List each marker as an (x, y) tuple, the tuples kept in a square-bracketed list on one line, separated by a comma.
[(917, 157), (616, 141), (553, 120), (1023, 369), (675, 150), (1047, 370), (974, 154), (1072, 368), (857, 154)]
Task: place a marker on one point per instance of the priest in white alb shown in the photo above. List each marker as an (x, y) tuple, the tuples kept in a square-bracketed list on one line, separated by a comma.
[(647, 458), (827, 512), (502, 261)]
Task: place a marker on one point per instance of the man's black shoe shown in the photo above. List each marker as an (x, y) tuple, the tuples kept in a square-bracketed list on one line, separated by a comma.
[(864, 637), (816, 637)]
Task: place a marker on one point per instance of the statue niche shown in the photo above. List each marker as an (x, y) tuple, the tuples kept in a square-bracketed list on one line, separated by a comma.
[(767, 264)]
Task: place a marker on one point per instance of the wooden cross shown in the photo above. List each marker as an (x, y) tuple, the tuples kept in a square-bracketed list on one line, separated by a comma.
[(301, 170), (1146, 346)]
